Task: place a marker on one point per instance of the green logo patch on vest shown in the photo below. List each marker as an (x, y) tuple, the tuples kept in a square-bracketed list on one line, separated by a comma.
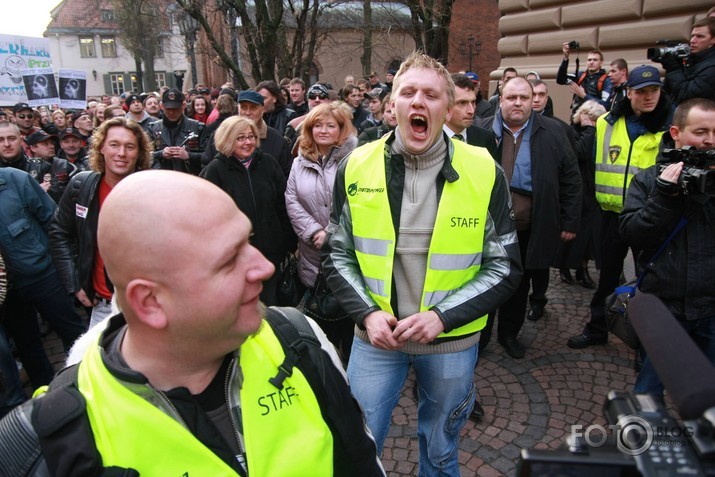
[(352, 189), (613, 153)]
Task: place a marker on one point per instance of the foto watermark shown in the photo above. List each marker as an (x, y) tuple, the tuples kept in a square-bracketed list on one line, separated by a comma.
[(634, 435)]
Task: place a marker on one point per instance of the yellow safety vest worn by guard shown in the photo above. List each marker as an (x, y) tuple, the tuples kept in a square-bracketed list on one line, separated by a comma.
[(455, 250), (284, 432), (617, 160)]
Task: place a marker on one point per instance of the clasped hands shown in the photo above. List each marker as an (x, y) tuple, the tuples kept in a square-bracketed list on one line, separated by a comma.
[(385, 331)]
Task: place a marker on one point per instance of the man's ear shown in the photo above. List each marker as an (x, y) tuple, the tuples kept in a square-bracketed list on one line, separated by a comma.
[(144, 299), (675, 133)]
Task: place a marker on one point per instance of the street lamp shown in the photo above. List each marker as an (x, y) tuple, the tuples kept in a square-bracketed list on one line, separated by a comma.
[(469, 48), (189, 26)]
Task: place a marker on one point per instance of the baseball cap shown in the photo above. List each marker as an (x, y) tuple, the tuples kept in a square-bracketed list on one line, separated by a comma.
[(79, 114), (250, 96), (69, 132), (374, 93), (215, 92), (38, 137), (392, 71), (19, 107), (204, 91), (642, 76), (318, 90), (131, 98), (172, 98), (473, 77)]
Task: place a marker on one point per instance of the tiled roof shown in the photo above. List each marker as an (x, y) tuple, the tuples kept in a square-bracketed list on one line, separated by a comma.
[(79, 15), (73, 16)]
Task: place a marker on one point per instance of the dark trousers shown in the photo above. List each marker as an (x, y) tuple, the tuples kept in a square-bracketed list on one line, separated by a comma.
[(49, 298), (513, 312), (613, 253)]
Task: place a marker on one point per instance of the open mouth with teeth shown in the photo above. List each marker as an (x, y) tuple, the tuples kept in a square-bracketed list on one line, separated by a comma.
[(418, 123)]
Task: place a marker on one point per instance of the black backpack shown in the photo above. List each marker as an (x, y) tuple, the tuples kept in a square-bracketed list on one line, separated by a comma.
[(67, 442)]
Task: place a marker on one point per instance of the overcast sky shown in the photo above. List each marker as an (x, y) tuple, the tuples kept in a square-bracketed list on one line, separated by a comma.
[(26, 17)]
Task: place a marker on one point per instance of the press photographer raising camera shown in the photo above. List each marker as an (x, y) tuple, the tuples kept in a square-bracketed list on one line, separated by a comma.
[(693, 76), (592, 84), (683, 275)]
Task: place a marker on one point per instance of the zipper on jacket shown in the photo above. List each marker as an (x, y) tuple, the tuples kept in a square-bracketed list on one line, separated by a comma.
[(241, 456)]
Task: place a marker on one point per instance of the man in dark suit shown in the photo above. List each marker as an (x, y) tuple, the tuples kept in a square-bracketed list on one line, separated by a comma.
[(542, 170), (461, 115)]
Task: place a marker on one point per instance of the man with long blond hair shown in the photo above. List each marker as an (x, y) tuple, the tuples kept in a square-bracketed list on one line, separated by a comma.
[(120, 147)]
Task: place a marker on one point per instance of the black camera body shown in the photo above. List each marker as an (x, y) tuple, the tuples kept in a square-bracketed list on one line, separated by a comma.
[(670, 48), (574, 45), (645, 441), (698, 176)]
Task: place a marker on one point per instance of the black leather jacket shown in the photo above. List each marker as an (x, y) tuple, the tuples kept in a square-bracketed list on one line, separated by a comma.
[(165, 133), (73, 239)]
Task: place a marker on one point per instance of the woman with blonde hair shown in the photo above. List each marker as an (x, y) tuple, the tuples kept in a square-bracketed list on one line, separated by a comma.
[(256, 183), (328, 135)]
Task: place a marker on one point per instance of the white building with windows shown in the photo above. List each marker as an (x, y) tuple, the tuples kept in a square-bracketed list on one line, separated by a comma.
[(83, 35)]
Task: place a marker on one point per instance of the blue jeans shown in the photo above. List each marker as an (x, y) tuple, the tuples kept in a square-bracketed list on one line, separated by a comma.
[(11, 393), (446, 397), (703, 334)]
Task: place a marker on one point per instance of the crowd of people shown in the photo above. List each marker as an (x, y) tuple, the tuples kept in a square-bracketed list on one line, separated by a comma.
[(430, 213)]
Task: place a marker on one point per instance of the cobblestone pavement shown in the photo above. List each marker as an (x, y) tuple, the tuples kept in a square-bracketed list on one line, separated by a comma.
[(529, 403)]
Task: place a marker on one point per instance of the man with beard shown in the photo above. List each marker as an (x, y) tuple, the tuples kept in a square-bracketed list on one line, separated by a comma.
[(179, 141), (25, 121)]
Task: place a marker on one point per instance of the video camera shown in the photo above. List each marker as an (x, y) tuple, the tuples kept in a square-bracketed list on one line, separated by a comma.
[(698, 176), (644, 440), (671, 48)]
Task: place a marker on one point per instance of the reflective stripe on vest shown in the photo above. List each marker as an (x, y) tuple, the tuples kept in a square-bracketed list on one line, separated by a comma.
[(617, 160), (455, 250), (284, 432)]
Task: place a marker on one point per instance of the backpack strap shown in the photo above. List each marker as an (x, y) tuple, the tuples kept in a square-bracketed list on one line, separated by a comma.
[(602, 80), (354, 454), (65, 434), (294, 332)]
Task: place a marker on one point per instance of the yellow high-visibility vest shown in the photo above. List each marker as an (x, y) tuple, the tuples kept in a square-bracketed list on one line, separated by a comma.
[(284, 432), (455, 250), (617, 160)]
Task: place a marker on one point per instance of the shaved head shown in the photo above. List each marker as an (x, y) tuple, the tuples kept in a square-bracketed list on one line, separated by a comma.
[(176, 249)]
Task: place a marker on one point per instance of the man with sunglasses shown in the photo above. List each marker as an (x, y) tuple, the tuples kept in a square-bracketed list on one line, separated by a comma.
[(25, 120)]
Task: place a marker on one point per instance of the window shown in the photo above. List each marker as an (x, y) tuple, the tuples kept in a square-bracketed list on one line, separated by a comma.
[(135, 85), (109, 46), (160, 79), (116, 81), (106, 15), (86, 47)]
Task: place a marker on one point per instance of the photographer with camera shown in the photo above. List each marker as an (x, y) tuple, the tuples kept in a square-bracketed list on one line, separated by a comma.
[(690, 75), (682, 277), (592, 84)]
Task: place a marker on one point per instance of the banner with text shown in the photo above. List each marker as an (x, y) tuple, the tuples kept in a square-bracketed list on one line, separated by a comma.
[(18, 54)]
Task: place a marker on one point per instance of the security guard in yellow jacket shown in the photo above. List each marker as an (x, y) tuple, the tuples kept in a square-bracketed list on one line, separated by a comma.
[(627, 141), (196, 377)]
